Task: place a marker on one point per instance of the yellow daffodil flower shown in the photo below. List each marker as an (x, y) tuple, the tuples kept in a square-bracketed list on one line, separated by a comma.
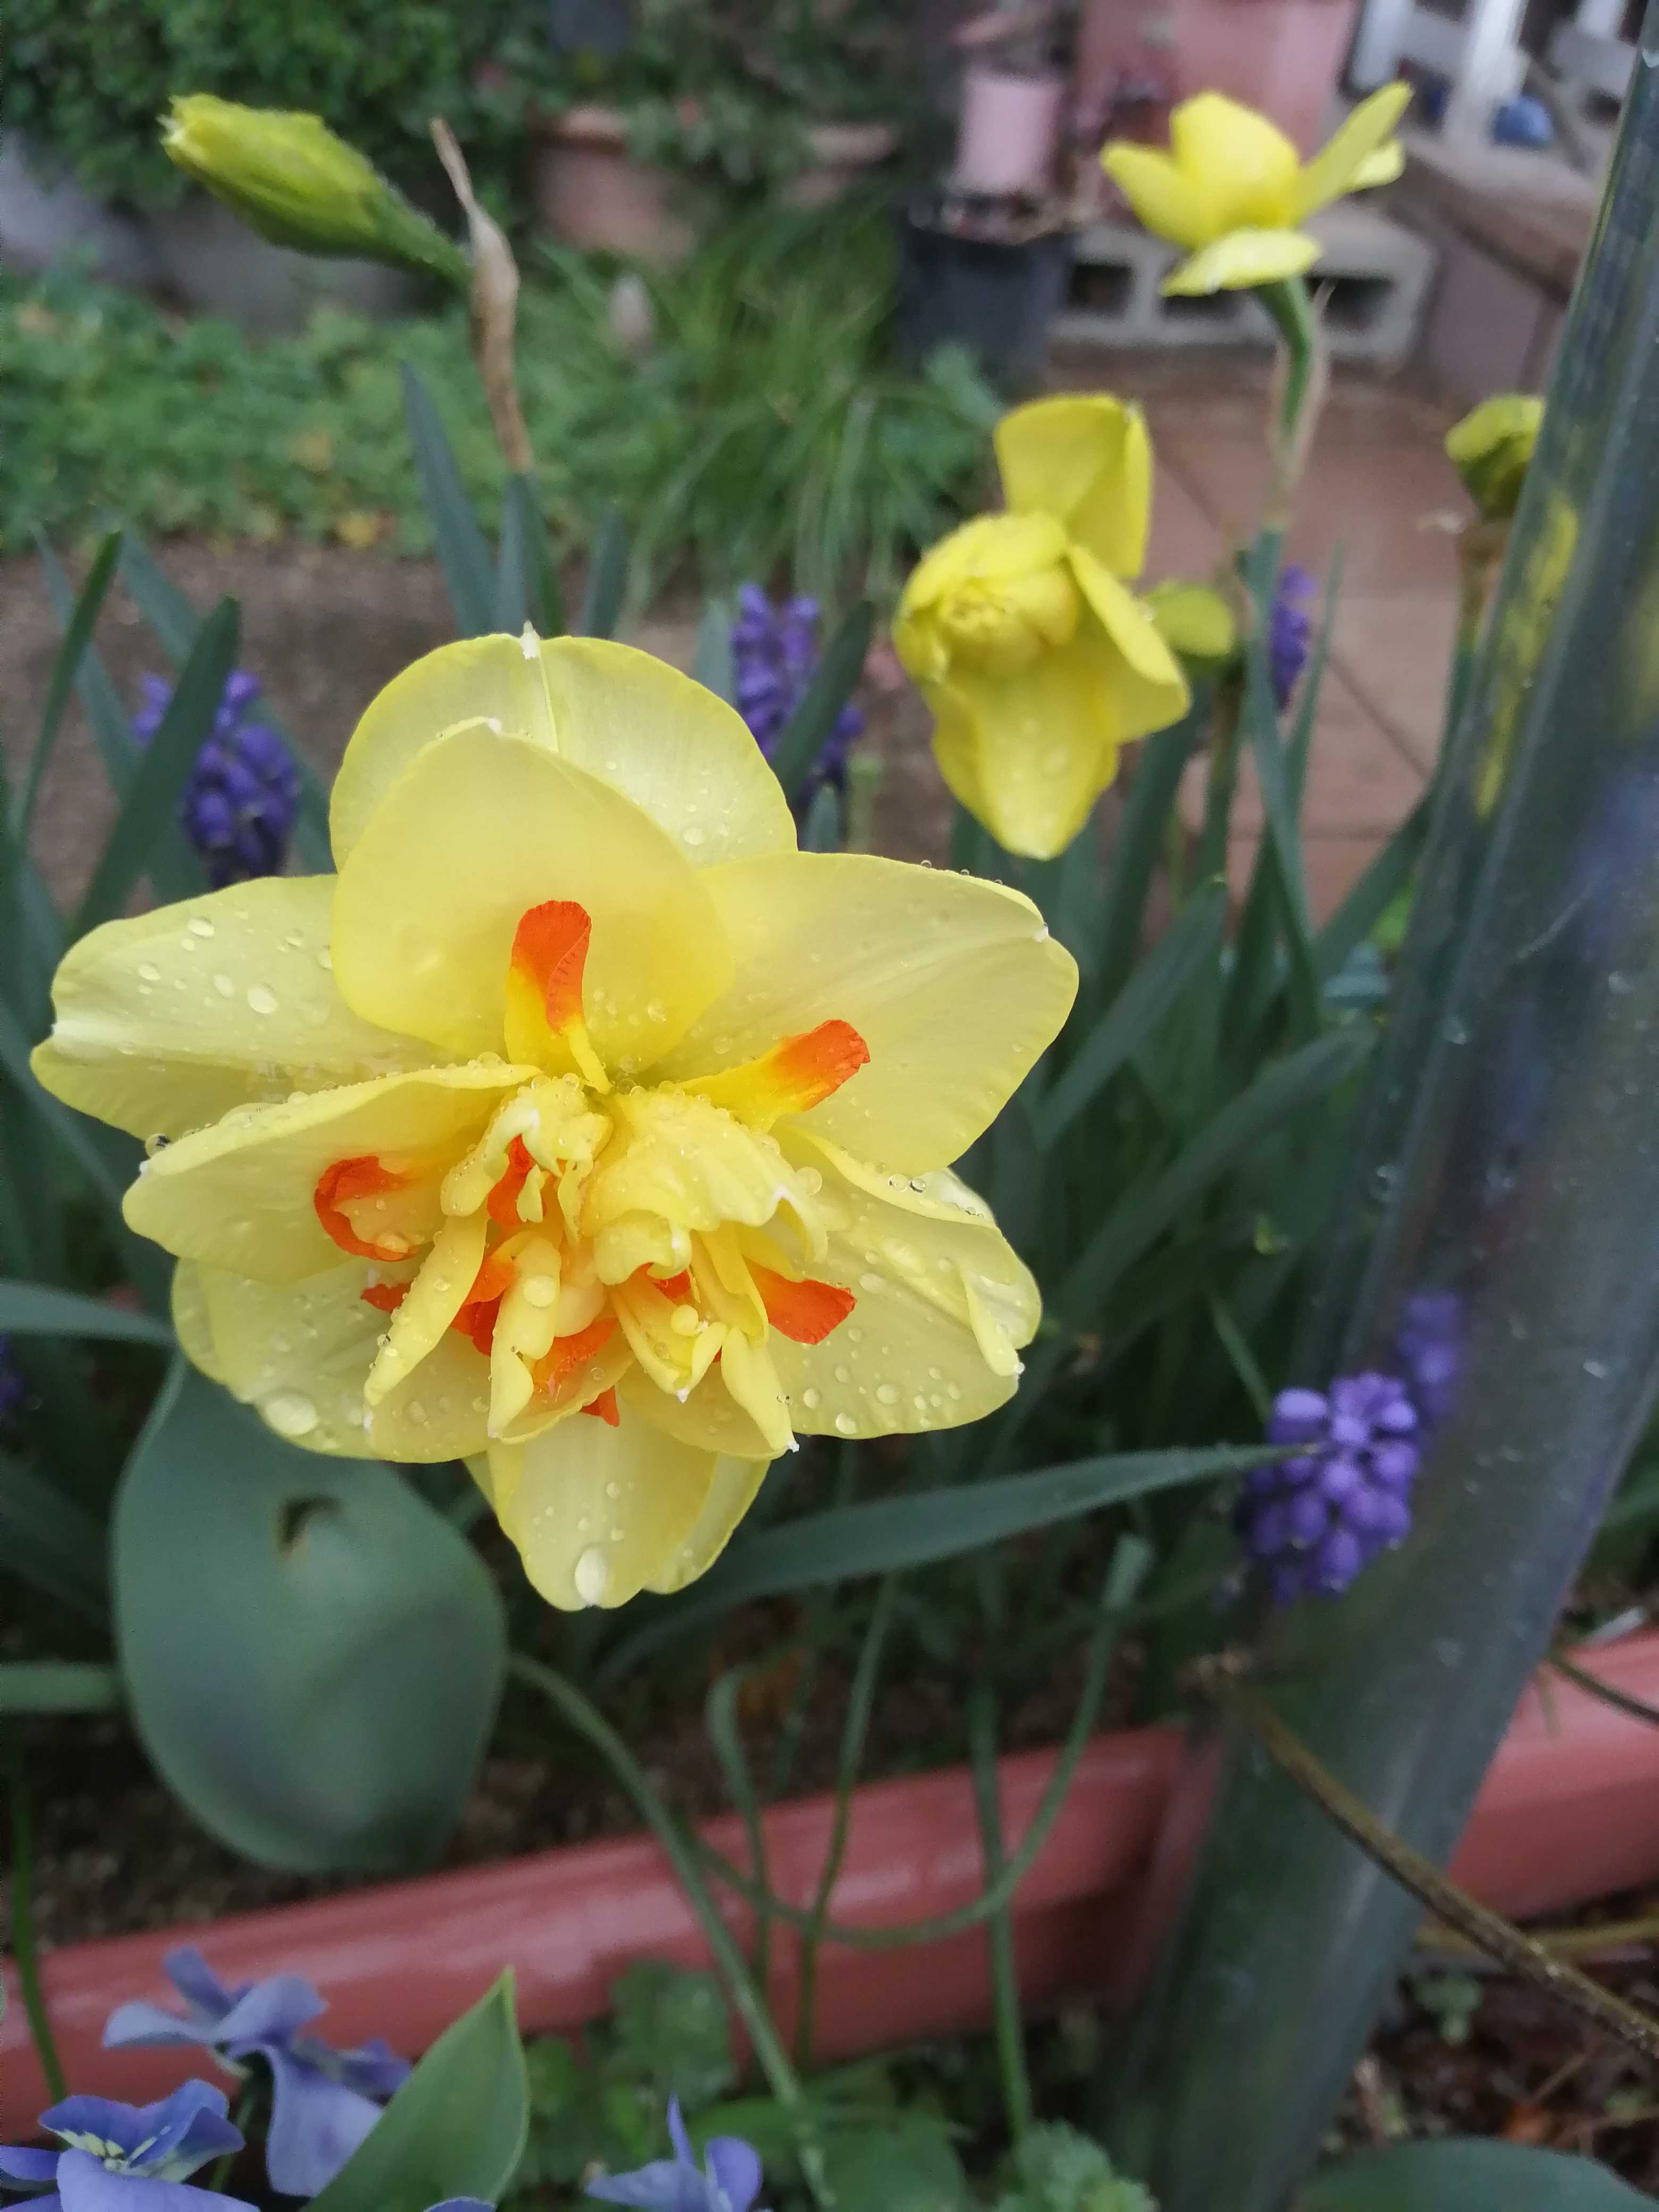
[(1492, 449), (1037, 661), (1196, 623), (1233, 192), (577, 1091)]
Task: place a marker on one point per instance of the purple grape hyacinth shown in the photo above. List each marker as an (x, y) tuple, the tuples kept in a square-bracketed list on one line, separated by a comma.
[(1428, 1345), (238, 807), (774, 651), (1314, 1520), (323, 2102), (1289, 631)]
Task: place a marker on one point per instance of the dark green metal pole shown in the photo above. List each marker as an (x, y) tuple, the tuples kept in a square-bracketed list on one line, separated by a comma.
[(1508, 1170)]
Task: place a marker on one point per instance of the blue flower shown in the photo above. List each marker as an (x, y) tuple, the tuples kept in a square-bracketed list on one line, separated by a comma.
[(1289, 629), (128, 2158), (728, 2181), (1314, 1520), (13, 1389), (774, 651), (1430, 1348), (323, 2102), (238, 807)]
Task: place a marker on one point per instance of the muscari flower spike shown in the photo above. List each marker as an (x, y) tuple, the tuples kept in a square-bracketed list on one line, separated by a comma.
[(774, 653), (1316, 1520), (239, 806), (323, 2102), (728, 2180), (579, 1091), (1428, 1346), (1036, 660), (127, 2158), (1289, 631)]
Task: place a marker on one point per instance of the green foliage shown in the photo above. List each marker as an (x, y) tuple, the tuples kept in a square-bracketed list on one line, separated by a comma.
[(1469, 2176), (86, 84), (319, 1687), (761, 433), (1058, 2170), (455, 2128)]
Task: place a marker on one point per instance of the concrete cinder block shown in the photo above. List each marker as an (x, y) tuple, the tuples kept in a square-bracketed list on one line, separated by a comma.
[(1374, 277)]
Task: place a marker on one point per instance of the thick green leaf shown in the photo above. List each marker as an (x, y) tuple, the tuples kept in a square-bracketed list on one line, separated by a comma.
[(1141, 840), (58, 1686), (1386, 877), (907, 2163), (607, 576), (147, 807), (712, 664), (462, 553), (526, 582), (49, 1541), (319, 1685), (115, 744), (1469, 2175), (821, 831), (66, 668), (103, 1156), (833, 681), (1192, 942), (455, 2128), (1299, 745), (915, 1529), (1243, 1123), (175, 621), (31, 1309)]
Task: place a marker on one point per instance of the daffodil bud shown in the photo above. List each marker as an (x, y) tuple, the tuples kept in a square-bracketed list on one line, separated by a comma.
[(288, 176), (1491, 449), (992, 597), (1196, 623)]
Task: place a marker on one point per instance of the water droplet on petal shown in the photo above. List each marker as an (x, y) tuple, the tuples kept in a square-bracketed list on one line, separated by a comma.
[(846, 1425), (591, 1575), (262, 1000), (812, 1399), (290, 1413), (887, 1393), (199, 927)]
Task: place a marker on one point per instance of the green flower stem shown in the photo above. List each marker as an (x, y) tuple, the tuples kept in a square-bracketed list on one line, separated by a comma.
[(1494, 1935), (1129, 1564), (22, 1933), (1304, 388), (1621, 1700), (857, 1728), (1005, 1973), (591, 1724), (1221, 778)]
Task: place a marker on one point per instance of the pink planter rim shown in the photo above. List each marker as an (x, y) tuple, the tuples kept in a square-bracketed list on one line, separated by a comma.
[(1568, 1812)]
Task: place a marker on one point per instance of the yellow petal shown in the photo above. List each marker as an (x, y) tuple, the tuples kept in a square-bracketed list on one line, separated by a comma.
[(708, 1416), (436, 1295), (684, 755), (1165, 200), (440, 1411), (296, 1354), (1242, 259), (478, 830), (731, 1494), (166, 1022), (944, 1306), (240, 1195), (599, 1514), (1147, 689), (1342, 164), (954, 985), (191, 1323), (1385, 166), (1244, 167), (1088, 460)]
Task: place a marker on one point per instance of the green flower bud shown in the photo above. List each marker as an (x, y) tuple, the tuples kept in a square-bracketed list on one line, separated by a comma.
[(1490, 448), (291, 179), (1196, 623)]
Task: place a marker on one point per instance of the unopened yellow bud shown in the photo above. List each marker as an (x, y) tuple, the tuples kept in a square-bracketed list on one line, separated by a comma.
[(1492, 448), (288, 176), (1196, 623)]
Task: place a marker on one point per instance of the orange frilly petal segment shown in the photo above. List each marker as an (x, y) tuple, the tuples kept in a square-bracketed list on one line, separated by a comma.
[(543, 1018), (806, 1311), (795, 1076)]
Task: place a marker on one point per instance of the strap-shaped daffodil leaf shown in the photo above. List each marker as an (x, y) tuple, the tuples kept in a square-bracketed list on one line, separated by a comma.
[(1469, 2175), (312, 1655)]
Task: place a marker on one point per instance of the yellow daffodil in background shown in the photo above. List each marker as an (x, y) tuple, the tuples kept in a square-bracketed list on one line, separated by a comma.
[(577, 1092), (1492, 448), (1233, 192), (1037, 661)]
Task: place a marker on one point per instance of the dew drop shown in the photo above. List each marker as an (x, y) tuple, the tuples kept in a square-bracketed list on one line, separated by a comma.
[(325, 959), (540, 1290), (871, 1281), (262, 1000), (290, 1413), (417, 1412), (200, 928), (887, 1393), (685, 1320), (692, 834), (655, 1010), (846, 1425), (613, 1490), (812, 1399), (844, 1374), (149, 972), (225, 986), (591, 1575)]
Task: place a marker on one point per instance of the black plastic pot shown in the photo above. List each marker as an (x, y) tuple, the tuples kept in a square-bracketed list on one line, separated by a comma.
[(995, 296)]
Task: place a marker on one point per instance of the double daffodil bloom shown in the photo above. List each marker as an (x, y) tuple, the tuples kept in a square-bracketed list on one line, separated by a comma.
[(1233, 192), (578, 1092), (1037, 661)]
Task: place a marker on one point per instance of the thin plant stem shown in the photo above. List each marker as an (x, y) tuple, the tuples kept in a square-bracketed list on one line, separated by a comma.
[(1637, 1708), (244, 2108), (999, 1934), (721, 1710), (774, 2060), (22, 1933), (860, 1704), (1596, 1942), (1129, 1563), (1218, 1677), (1301, 391)]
